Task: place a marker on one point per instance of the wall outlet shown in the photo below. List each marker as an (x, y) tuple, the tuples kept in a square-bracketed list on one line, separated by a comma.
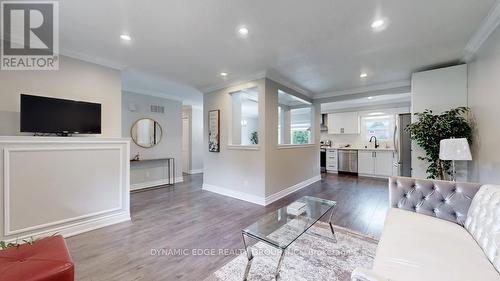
[(148, 174)]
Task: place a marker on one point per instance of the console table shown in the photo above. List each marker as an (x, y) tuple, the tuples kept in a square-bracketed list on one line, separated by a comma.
[(170, 167)]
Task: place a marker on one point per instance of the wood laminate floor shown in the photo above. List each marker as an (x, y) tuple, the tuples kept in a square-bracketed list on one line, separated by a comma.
[(185, 217)]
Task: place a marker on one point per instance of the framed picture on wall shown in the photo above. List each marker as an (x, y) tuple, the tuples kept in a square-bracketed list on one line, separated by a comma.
[(214, 131)]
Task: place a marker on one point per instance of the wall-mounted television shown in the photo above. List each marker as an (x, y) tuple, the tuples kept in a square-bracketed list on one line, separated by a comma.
[(59, 116)]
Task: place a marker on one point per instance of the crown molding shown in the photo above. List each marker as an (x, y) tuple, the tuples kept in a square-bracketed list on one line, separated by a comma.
[(253, 77), (91, 59), (488, 25), (162, 95), (288, 84), (233, 82), (373, 88)]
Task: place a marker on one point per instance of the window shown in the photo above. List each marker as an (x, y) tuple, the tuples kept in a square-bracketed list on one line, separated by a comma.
[(245, 117), (301, 125), (294, 120), (381, 127)]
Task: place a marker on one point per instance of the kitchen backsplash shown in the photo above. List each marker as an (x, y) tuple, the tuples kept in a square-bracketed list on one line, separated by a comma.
[(353, 140)]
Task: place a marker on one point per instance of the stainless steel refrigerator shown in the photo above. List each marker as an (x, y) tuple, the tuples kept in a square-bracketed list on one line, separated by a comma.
[(402, 145)]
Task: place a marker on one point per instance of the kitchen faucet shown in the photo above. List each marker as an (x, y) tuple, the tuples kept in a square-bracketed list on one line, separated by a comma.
[(376, 143)]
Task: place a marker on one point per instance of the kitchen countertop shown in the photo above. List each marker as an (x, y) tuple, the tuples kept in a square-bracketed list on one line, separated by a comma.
[(360, 148)]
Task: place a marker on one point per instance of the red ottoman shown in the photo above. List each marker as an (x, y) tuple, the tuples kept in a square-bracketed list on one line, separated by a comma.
[(46, 260)]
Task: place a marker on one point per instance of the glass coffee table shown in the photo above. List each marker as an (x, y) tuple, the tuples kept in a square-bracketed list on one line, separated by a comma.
[(280, 229)]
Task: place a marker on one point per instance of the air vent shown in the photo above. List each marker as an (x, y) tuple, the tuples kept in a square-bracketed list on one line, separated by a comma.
[(157, 109)]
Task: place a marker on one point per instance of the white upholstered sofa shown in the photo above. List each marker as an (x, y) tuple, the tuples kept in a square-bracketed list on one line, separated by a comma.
[(438, 230)]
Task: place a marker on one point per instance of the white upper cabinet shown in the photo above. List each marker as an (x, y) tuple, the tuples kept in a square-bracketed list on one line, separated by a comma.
[(343, 123)]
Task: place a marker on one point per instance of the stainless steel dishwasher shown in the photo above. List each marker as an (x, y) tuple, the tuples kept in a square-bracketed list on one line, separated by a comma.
[(348, 161)]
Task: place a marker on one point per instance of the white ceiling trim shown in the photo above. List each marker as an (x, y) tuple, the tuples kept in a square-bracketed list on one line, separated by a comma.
[(157, 94), (234, 82), (253, 77), (488, 25), (379, 87), (92, 59), (290, 85)]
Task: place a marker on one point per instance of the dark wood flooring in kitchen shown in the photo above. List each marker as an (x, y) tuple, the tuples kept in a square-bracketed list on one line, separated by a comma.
[(185, 217)]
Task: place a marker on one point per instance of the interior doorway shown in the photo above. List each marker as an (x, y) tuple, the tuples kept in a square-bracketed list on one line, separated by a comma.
[(186, 144)]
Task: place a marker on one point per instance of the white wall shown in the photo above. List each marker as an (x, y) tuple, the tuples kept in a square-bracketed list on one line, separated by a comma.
[(438, 90), (145, 174), (484, 101), (262, 173), (75, 79), (235, 172), (288, 167)]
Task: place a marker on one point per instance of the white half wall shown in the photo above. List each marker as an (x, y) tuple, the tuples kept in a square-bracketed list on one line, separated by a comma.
[(239, 171), (484, 101), (75, 80), (438, 90), (63, 185), (288, 166)]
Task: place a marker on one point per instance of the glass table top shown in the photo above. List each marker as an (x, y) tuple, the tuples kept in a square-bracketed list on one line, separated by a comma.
[(281, 228)]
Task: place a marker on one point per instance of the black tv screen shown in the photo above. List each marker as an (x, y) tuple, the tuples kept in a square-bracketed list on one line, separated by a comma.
[(59, 116)]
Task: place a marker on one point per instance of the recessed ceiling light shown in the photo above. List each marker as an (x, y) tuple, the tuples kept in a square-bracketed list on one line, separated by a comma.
[(379, 24), (363, 75), (125, 37), (223, 74), (369, 98), (243, 31)]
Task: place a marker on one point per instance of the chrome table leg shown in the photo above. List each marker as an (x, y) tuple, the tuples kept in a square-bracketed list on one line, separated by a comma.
[(279, 264), (331, 226), (249, 257)]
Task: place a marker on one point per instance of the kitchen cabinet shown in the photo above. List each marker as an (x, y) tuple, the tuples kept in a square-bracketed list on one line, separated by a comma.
[(331, 161), (366, 164), (383, 163), (375, 163), (343, 123)]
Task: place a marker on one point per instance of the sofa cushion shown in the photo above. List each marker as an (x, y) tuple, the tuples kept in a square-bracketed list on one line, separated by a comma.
[(443, 199), (483, 222), (419, 247)]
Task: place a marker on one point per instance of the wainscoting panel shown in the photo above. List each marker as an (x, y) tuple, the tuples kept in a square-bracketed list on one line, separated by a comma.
[(69, 187)]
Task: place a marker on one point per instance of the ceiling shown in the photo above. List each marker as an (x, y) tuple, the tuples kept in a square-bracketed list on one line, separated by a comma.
[(321, 46)]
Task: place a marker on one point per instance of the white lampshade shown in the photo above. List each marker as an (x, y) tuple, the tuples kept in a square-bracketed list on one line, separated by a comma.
[(454, 149)]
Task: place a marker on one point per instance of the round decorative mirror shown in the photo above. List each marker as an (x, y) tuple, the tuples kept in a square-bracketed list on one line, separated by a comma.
[(146, 132)]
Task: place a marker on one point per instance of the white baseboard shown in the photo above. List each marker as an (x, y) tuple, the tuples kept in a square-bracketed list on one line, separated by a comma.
[(142, 185), (285, 192), (198, 171), (263, 201), (76, 228), (373, 176), (235, 194)]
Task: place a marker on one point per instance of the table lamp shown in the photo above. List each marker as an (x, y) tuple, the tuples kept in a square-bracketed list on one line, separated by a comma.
[(454, 150)]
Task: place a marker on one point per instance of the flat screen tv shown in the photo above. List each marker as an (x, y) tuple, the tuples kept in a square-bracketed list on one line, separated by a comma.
[(59, 116)]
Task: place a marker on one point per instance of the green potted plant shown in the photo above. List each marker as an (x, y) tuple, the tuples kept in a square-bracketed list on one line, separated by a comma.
[(254, 138), (431, 128)]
